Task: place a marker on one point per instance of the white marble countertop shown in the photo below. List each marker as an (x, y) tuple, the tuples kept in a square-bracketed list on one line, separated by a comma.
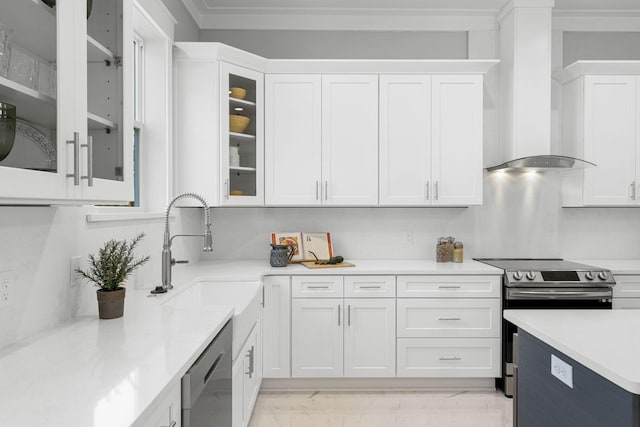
[(616, 266), (91, 372), (254, 270), (605, 341)]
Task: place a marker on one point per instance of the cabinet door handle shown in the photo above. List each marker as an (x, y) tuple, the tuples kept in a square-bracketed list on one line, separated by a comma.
[(226, 189), (436, 191), (76, 159), (326, 190), (633, 190), (349, 315), (339, 310), (449, 318), (449, 358), (317, 287), (427, 190), (448, 286), (370, 287), (89, 146), (317, 190), (250, 355)]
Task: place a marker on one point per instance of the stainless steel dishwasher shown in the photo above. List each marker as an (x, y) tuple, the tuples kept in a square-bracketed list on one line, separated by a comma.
[(206, 387)]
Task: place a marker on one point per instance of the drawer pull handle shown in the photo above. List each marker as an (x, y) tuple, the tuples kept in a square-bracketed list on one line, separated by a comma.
[(317, 287), (448, 286), (370, 287), (450, 358), (449, 318)]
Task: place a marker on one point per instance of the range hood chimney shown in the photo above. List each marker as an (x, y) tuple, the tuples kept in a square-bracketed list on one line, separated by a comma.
[(525, 75)]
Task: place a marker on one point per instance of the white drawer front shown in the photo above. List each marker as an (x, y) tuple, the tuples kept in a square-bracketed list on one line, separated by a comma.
[(449, 286), (370, 286), (448, 357), (317, 286), (627, 287), (448, 317)]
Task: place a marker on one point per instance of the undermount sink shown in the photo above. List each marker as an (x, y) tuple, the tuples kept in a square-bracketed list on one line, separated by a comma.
[(243, 296)]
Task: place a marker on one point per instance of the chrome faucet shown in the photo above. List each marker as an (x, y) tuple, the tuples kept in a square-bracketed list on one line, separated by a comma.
[(167, 260)]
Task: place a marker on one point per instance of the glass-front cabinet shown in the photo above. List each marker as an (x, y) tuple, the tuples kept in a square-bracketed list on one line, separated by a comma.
[(65, 115), (241, 137)]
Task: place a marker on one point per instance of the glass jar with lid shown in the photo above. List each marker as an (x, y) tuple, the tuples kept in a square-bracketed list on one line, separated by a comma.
[(458, 252), (444, 249)]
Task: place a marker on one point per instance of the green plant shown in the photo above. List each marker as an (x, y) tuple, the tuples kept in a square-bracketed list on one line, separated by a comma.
[(113, 264)]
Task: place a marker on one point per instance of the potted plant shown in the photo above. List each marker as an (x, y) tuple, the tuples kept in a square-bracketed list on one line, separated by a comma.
[(108, 270)]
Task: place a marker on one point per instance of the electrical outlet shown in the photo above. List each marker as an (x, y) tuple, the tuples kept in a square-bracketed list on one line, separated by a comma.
[(6, 290), (408, 237), (74, 279), (562, 370)]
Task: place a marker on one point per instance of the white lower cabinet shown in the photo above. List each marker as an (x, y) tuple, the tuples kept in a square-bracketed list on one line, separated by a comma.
[(449, 357), (276, 327), (246, 380), (449, 326), (369, 337), (626, 292), (167, 412), (342, 337)]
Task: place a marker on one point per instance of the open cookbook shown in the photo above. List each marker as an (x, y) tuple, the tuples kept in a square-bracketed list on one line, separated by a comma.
[(306, 244)]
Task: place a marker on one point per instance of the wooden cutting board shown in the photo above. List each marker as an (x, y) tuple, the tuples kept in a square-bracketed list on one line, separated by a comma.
[(312, 264)]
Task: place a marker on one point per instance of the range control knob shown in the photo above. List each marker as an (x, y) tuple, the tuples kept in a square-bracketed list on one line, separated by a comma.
[(517, 275), (531, 275), (603, 275), (589, 275)]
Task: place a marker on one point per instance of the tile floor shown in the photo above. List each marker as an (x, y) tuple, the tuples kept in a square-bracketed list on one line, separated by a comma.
[(382, 409)]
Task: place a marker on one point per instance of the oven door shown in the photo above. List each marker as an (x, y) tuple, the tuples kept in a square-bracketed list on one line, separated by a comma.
[(542, 299)]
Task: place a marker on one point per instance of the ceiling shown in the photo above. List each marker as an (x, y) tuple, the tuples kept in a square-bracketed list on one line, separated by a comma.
[(383, 14)]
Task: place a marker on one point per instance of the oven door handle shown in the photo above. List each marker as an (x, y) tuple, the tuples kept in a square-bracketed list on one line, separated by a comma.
[(558, 294)]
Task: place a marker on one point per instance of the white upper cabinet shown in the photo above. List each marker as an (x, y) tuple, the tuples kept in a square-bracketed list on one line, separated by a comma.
[(69, 76), (431, 140), (405, 140), (600, 124), (293, 139), (219, 126), (350, 140), (321, 140)]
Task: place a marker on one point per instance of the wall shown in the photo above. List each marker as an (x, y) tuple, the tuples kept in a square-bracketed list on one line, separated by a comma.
[(289, 44), (186, 29)]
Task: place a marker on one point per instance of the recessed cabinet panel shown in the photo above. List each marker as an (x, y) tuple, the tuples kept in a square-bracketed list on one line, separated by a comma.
[(276, 327), (317, 337), (448, 317), (350, 140), (292, 140), (457, 140), (449, 286), (448, 357), (405, 140), (610, 140)]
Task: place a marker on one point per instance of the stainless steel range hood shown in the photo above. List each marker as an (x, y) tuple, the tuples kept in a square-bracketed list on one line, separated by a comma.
[(542, 163), (525, 88)]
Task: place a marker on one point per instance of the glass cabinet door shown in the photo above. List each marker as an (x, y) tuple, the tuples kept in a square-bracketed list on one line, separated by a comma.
[(109, 120), (32, 132), (241, 140)]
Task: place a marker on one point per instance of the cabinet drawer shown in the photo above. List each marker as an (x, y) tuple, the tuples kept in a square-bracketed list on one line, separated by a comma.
[(448, 317), (317, 286), (626, 303), (448, 357), (370, 286), (449, 286), (627, 287)]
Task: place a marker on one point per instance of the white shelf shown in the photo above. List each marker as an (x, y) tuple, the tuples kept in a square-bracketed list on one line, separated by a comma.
[(241, 137), (39, 37), (580, 68), (241, 169), (97, 122), (30, 104), (96, 52), (242, 102)]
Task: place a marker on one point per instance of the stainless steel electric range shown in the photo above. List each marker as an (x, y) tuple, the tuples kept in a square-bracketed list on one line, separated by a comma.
[(545, 284)]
